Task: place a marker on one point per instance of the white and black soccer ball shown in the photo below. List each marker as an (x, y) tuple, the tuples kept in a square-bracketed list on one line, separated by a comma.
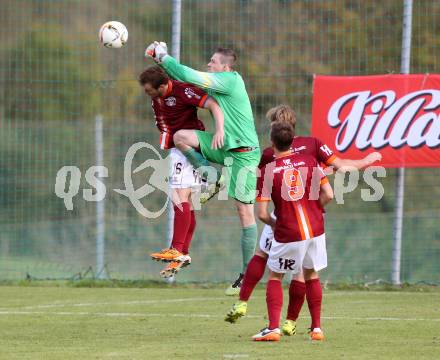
[(113, 34)]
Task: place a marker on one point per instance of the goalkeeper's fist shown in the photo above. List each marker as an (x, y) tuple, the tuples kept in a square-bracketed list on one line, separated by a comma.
[(157, 51)]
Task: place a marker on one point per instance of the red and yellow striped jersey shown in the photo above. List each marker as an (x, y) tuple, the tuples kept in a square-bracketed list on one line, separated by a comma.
[(292, 182)]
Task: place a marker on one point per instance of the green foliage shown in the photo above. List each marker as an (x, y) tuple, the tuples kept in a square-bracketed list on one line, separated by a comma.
[(46, 78)]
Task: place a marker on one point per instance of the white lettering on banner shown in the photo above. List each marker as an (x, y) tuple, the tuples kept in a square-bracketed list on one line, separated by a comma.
[(391, 121)]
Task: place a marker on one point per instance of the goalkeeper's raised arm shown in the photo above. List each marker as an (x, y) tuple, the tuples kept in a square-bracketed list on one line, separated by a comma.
[(219, 82), (221, 77)]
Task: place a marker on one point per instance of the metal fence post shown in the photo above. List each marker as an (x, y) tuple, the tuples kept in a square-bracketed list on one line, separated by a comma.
[(400, 180), (175, 52), (100, 208)]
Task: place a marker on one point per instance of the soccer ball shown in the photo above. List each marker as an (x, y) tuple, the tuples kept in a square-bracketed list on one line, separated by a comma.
[(113, 34)]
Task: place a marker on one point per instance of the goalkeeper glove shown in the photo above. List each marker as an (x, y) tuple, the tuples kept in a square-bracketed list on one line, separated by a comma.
[(157, 51)]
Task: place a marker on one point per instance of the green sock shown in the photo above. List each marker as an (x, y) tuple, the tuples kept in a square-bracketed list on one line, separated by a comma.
[(197, 160), (248, 241)]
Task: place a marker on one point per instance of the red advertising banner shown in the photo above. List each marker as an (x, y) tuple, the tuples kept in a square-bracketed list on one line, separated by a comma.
[(397, 115)]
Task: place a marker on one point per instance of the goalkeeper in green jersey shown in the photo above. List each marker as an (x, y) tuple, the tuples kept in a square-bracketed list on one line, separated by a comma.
[(237, 148)]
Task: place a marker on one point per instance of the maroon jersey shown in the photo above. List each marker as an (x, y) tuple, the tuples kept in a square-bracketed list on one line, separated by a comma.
[(300, 145), (303, 145), (293, 182), (177, 110)]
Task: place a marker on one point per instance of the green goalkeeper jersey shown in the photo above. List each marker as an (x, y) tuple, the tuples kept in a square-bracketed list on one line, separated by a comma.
[(228, 89)]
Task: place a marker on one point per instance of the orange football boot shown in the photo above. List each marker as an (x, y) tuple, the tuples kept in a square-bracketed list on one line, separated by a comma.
[(316, 334), (168, 255), (174, 267), (267, 334)]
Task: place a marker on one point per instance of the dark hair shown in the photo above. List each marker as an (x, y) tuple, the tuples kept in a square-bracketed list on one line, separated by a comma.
[(281, 135), (283, 113), (155, 76), (228, 56)]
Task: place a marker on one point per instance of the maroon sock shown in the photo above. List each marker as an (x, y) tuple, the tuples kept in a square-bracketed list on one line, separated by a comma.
[(190, 233), (314, 300), (254, 273), (297, 294), (181, 225), (274, 300)]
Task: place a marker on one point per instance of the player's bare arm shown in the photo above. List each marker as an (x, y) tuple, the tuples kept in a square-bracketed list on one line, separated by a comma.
[(219, 136), (263, 213), (325, 194), (350, 165)]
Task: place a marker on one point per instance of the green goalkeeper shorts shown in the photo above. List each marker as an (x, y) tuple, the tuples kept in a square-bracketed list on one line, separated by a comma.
[(241, 167)]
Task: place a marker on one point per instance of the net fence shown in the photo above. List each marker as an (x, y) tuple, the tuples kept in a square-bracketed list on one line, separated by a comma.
[(56, 79)]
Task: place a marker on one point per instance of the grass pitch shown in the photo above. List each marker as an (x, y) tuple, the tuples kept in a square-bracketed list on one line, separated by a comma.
[(187, 323)]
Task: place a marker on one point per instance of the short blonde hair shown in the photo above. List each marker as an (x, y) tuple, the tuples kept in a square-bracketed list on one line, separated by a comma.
[(228, 56), (283, 113)]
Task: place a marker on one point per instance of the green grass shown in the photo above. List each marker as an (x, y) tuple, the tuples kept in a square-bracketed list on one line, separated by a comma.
[(65, 322)]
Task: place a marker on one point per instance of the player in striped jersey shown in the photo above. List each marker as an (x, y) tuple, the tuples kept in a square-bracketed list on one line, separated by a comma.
[(175, 107), (299, 190), (256, 267)]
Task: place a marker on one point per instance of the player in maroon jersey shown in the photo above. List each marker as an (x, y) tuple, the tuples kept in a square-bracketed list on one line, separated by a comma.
[(175, 107), (304, 145), (299, 190), (256, 267)]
